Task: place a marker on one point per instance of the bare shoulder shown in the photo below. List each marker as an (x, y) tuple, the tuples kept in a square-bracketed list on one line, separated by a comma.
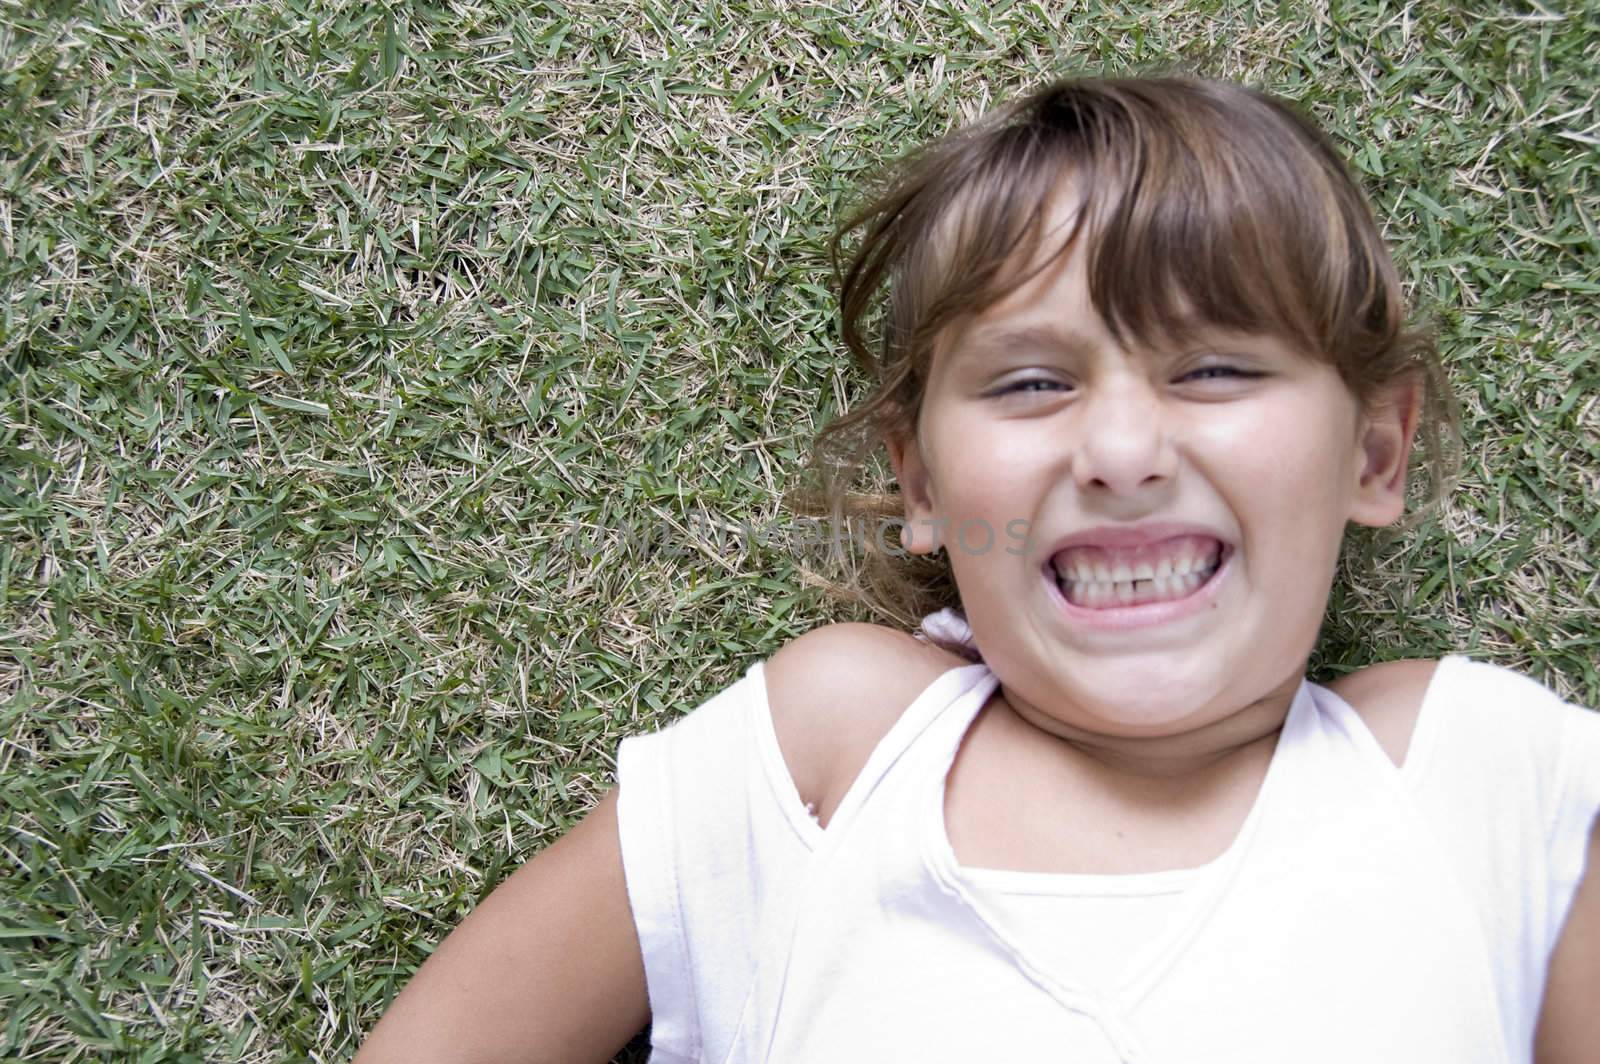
[(1388, 698), (834, 693)]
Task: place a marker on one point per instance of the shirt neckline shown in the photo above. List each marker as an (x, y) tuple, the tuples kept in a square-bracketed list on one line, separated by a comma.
[(1081, 885), (1207, 885)]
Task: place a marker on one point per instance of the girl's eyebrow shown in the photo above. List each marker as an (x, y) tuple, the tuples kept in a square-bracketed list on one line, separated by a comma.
[(1000, 340)]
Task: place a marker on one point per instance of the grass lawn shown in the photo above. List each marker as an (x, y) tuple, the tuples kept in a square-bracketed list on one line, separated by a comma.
[(339, 343)]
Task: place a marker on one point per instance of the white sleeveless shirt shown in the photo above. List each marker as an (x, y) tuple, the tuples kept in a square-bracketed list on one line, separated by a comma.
[(1364, 912), (1084, 926)]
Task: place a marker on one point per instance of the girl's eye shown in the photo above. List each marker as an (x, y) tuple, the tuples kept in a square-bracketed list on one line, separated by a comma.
[(1029, 386), (1209, 373)]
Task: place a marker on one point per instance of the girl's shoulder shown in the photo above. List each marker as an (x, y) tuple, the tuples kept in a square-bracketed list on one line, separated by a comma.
[(1388, 698), (1403, 703), (835, 692)]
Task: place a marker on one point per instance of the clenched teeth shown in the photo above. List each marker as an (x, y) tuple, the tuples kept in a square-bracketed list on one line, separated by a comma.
[(1099, 577)]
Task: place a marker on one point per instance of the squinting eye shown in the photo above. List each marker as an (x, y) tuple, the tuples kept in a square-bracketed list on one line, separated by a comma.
[(1027, 385), (1216, 373)]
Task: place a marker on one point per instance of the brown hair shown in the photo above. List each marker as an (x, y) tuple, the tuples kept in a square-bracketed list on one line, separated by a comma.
[(1207, 202)]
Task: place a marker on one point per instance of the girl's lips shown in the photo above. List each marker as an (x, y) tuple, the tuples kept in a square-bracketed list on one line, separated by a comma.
[(1150, 614), (1131, 536)]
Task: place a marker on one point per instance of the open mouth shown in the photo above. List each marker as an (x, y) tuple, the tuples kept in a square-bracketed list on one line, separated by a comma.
[(1100, 578)]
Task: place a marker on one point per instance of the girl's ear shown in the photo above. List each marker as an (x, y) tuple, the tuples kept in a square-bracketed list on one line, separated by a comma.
[(1389, 429), (911, 473)]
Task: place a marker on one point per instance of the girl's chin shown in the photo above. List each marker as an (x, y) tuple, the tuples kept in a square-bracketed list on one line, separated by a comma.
[(1114, 708)]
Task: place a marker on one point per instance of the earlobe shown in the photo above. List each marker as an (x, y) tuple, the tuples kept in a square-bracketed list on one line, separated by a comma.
[(1389, 430), (911, 473)]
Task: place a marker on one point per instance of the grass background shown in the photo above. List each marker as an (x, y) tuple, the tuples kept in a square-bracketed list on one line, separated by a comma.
[(325, 325)]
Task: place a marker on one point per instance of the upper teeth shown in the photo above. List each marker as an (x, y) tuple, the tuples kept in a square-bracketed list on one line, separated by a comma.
[(1169, 560), (1102, 573)]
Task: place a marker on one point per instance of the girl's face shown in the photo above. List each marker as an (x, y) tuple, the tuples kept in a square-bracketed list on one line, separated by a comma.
[(1192, 499)]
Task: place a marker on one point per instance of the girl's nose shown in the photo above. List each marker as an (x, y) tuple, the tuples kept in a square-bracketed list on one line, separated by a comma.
[(1123, 443)]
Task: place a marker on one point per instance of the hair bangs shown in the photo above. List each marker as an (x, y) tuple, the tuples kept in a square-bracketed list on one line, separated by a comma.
[(1233, 217), (985, 225)]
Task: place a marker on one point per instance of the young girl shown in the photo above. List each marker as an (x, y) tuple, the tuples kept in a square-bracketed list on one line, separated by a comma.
[(1143, 360)]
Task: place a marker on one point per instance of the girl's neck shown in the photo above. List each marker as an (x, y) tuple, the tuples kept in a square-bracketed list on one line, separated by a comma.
[(1186, 758)]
